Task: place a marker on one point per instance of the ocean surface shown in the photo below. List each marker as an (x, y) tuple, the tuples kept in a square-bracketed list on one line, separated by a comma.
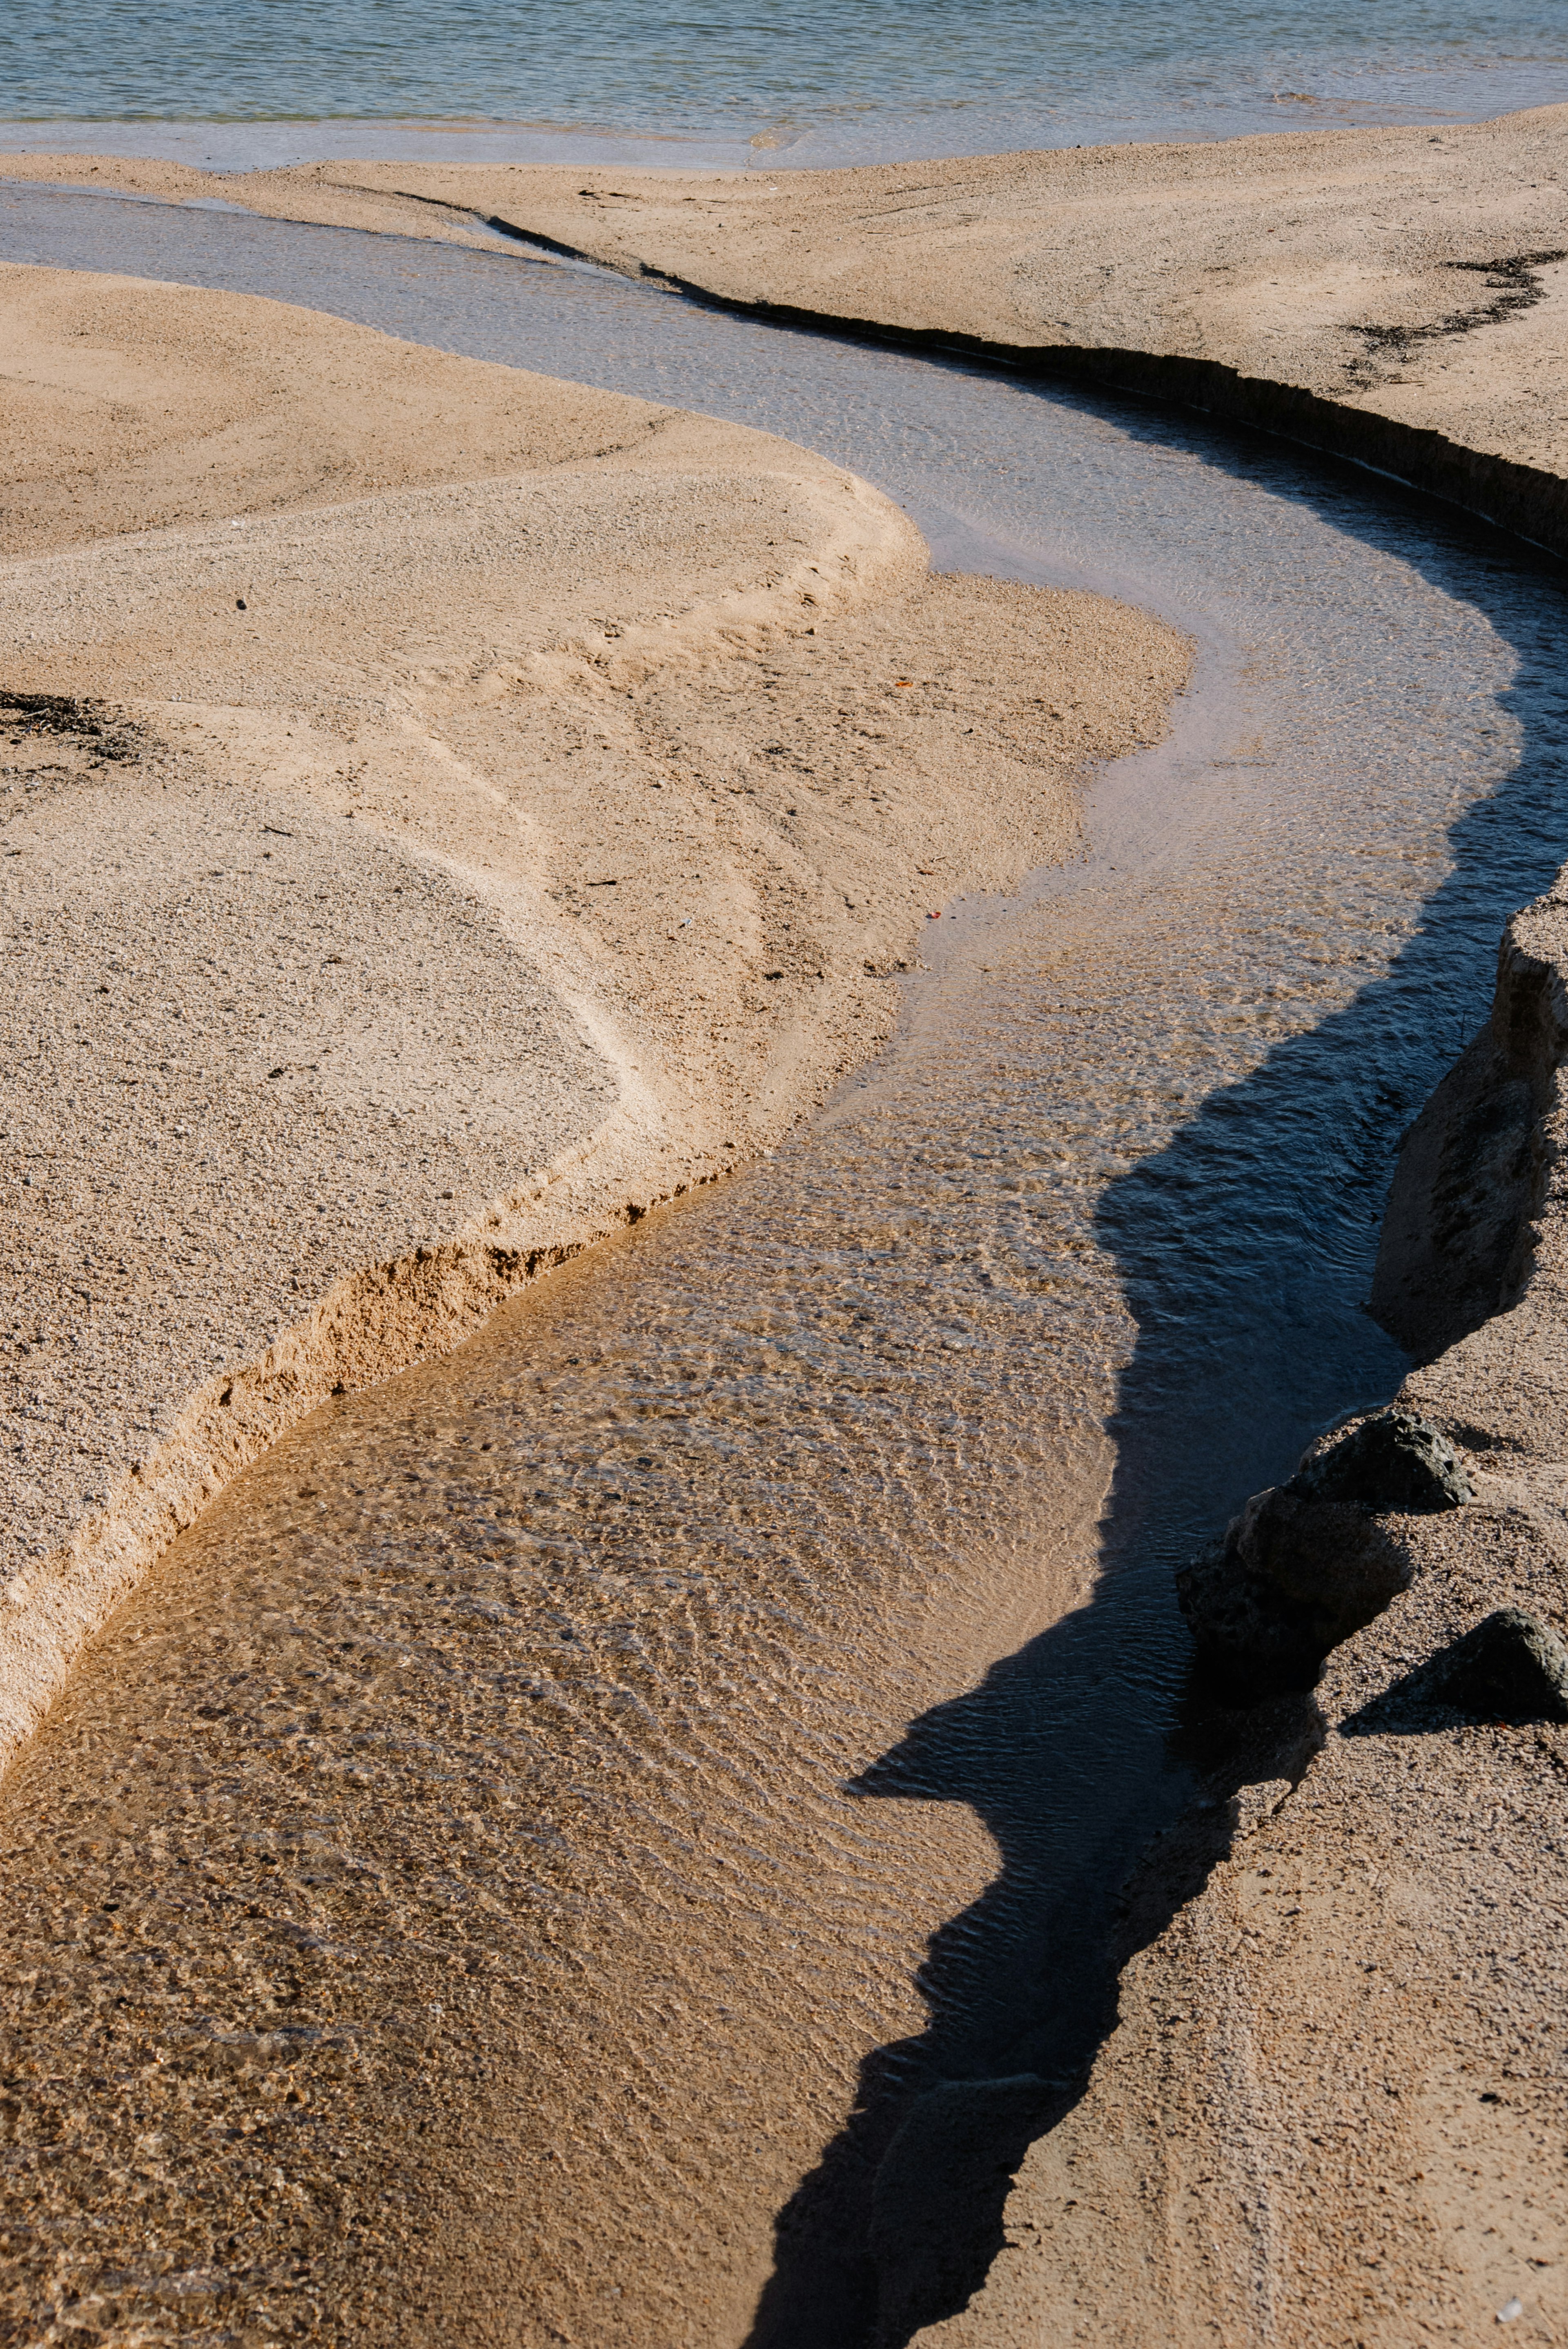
[(747, 80)]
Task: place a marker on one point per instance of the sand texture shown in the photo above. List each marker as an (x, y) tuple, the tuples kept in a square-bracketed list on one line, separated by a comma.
[(443, 812), (1332, 2108), (1406, 288)]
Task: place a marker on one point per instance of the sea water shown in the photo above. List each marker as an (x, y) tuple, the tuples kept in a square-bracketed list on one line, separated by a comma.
[(236, 82)]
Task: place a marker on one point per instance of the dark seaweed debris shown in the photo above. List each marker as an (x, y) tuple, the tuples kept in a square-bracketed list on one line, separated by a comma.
[(1513, 282), (97, 725)]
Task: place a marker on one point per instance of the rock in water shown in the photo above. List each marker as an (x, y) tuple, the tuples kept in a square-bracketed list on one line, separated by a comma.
[(1307, 1563)]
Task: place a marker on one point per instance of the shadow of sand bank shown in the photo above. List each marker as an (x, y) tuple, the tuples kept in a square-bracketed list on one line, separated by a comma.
[(1244, 1248)]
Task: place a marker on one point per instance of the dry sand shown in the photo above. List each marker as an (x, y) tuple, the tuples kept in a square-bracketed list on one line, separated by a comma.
[(443, 812), (1399, 294)]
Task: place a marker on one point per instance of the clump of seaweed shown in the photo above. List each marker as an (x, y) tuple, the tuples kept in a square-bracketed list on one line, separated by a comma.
[(100, 728), (1514, 281)]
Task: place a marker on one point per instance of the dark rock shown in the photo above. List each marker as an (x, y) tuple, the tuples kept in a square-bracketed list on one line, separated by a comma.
[(1455, 1236), (1291, 1580), (1509, 1668), (1392, 1461), (1309, 1562)]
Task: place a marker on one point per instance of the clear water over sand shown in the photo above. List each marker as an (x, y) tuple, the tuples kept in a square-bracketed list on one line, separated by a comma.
[(826, 82), (721, 1700)]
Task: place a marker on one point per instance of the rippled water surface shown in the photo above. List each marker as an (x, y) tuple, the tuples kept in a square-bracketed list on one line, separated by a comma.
[(816, 80), (742, 1674)]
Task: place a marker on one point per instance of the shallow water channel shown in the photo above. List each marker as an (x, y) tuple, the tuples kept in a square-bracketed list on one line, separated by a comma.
[(743, 1672)]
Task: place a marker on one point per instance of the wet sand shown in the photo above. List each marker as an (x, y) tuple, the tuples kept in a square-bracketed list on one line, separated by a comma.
[(405, 734)]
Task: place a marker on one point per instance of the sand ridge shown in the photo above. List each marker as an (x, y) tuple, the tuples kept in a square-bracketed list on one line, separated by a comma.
[(444, 813)]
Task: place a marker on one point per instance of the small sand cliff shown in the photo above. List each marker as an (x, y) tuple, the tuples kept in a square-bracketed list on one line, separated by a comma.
[(1398, 295), (1332, 2108), (443, 812)]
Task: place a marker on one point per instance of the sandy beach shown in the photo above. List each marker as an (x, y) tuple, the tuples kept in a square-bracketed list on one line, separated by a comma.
[(417, 866), (1398, 295), (447, 812)]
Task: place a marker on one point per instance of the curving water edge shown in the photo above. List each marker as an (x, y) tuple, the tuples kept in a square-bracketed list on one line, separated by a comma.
[(827, 1615)]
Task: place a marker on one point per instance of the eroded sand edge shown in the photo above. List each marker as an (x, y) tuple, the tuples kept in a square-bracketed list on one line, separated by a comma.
[(445, 813), (1398, 295)]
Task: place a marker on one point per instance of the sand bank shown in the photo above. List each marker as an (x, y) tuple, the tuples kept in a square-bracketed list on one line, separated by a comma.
[(1398, 295), (444, 812)]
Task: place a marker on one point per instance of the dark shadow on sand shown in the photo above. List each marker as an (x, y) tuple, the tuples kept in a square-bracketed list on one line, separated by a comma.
[(1246, 1250)]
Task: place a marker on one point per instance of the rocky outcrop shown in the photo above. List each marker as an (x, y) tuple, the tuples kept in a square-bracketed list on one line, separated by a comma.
[(1393, 1460), (1308, 1562), (1456, 1247), (1510, 1668)]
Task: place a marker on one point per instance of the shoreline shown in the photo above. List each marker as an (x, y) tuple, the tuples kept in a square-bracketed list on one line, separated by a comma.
[(1410, 316), (447, 670), (1198, 100), (1214, 2085)]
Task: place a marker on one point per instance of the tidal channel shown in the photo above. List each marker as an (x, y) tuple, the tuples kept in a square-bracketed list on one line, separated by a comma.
[(721, 1702)]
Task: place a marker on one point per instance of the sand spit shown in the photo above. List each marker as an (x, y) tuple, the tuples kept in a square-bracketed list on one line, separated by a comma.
[(444, 813), (1333, 2108), (1396, 295)]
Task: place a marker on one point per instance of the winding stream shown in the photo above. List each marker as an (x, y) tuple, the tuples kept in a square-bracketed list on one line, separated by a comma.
[(721, 1700)]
